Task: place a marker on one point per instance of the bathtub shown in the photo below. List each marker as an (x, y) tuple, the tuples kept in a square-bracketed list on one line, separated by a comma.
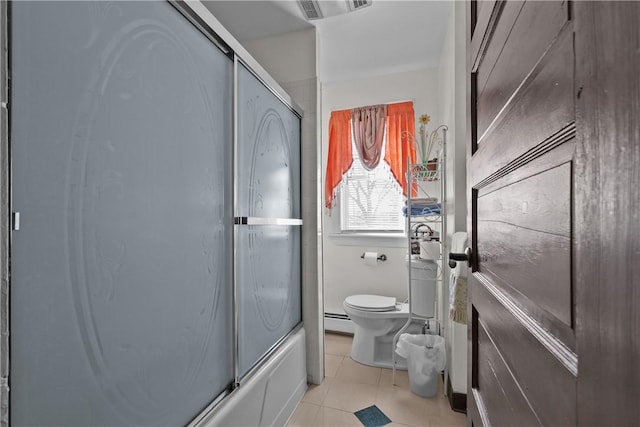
[(269, 394)]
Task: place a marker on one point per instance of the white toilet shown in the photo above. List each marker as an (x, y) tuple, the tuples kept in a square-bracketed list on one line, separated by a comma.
[(377, 319)]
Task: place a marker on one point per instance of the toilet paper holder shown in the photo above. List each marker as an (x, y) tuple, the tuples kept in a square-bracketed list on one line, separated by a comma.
[(381, 257)]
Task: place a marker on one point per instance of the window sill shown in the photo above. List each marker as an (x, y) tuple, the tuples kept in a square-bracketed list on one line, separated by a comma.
[(389, 240)]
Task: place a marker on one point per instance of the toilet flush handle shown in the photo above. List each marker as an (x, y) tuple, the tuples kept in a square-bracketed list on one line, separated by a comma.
[(466, 256)]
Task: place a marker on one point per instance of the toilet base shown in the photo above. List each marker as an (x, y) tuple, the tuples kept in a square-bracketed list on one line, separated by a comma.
[(373, 350)]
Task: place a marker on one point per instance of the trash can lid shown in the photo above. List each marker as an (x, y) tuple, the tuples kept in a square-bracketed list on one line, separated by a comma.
[(371, 302)]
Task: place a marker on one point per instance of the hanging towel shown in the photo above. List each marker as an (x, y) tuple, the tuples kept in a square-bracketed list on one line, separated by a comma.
[(458, 281), (458, 299)]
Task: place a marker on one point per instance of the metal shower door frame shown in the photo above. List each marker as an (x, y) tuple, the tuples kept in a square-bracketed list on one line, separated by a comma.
[(202, 19)]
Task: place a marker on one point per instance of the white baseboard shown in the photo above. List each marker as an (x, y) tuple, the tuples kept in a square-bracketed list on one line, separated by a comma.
[(338, 323)]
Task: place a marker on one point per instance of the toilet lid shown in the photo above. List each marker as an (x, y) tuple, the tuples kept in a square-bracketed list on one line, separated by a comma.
[(371, 302)]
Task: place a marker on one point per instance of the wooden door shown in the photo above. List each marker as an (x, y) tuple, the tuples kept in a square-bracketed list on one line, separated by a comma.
[(607, 212), (554, 95), (523, 364)]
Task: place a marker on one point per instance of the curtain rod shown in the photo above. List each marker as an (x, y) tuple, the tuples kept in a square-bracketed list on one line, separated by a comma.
[(380, 103)]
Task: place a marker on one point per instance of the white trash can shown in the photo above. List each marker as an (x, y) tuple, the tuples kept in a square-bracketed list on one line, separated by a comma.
[(426, 357)]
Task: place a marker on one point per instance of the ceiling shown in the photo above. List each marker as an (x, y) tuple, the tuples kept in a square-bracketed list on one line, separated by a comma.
[(387, 37)]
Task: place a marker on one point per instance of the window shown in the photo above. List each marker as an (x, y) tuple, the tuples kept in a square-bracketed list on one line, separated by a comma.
[(370, 201)]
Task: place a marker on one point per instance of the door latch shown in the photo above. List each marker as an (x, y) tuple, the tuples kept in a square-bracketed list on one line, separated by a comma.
[(466, 256)]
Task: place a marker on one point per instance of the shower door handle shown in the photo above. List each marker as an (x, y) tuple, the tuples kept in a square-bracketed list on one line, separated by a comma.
[(466, 256), (252, 220)]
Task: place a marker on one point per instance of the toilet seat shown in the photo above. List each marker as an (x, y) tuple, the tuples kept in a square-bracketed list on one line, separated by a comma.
[(374, 303)]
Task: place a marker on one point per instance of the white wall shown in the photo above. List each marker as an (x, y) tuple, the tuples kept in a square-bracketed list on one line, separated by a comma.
[(275, 54), (296, 73), (452, 96), (344, 272)]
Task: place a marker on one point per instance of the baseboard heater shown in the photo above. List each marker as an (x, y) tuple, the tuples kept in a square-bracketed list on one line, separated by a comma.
[(337, 322)]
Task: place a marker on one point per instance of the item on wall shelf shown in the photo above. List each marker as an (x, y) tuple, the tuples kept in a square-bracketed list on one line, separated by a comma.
[(428, 141), (428, 171), (426, 200), (422, 231), (434, 139), (423, 120), (423, 209)]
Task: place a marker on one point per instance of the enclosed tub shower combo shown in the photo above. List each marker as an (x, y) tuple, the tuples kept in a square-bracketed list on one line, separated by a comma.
[(155, 243)]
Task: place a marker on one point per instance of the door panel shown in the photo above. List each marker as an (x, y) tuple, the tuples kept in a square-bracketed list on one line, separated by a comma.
[(482, 12), (121, 271), (269, 295), (523, 367), (507, 402), (268, 152), (268, 270), (513, 51), (541, 109), (521, 214), (535, 360)]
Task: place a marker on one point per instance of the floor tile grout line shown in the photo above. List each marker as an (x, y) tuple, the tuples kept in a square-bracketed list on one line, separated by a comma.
[(403, 388)]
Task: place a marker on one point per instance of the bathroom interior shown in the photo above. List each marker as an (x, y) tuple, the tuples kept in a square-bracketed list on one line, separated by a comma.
[(268, 369)]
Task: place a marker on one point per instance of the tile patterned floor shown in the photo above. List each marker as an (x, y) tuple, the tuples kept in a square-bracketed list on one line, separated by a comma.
[(349, 387)]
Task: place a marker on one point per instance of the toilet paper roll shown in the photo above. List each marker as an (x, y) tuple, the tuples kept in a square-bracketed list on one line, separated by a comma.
[(371, 258)]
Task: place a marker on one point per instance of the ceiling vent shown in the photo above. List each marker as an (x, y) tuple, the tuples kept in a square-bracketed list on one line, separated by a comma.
[(318, 9), (310, 9), (358, 4)]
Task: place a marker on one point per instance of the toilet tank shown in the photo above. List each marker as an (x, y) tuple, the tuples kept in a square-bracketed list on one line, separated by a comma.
[(423, 286)]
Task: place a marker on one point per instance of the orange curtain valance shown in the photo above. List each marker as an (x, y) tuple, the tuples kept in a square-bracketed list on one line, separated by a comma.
[(400, 122), (340, 157), (401, 129), (368, 124)]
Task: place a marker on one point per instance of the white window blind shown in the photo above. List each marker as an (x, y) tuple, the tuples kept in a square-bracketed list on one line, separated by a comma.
[(370, 201)]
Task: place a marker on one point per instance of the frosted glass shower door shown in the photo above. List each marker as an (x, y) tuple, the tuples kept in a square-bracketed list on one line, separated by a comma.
[(121, 273), (268, 217)]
